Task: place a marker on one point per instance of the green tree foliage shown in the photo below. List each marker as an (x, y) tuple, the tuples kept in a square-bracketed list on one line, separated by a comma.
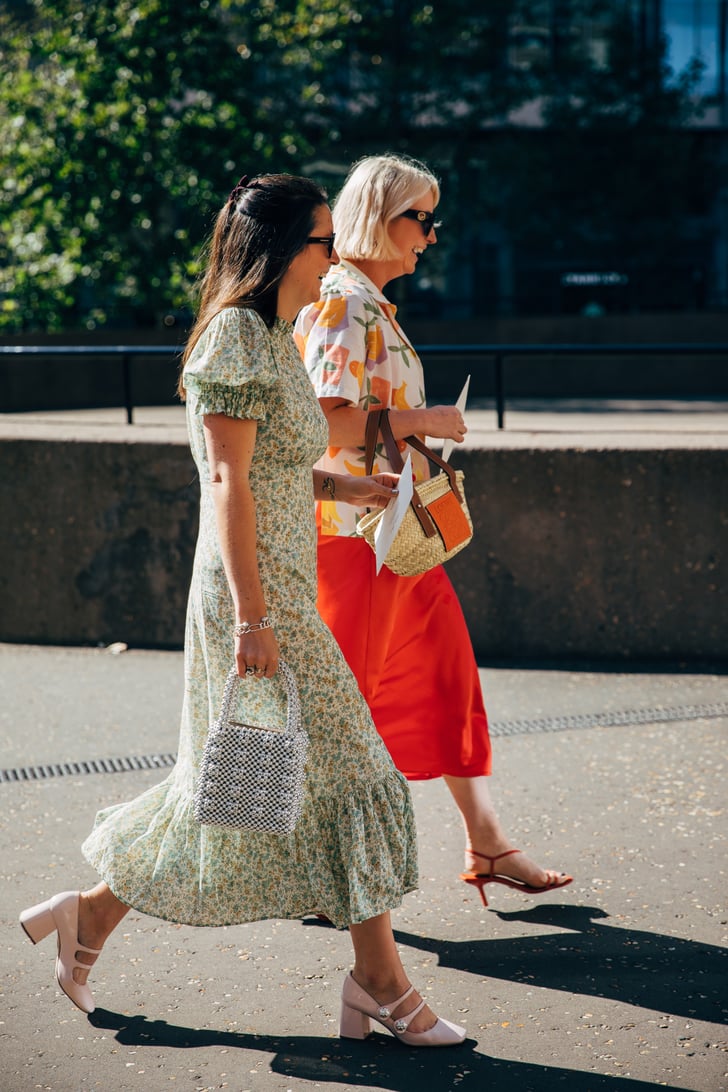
[(125, 123), (400, 67), (122, 125)]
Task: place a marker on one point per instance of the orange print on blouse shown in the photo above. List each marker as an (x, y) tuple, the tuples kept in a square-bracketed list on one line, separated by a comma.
[(399, 398), (335, 358), (332, 312), (356, 367), (375, 344), (330, 520), (358, 469), (380, 390)]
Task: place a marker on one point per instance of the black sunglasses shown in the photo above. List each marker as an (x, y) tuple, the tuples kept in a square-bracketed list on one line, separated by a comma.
[(327, 240), (426, 220)]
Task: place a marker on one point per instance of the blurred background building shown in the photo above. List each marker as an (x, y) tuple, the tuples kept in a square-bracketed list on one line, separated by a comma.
[(612, 192)]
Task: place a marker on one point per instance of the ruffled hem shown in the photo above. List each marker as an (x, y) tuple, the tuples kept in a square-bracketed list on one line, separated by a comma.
[(248, 401), (351, 857), (373, 863)]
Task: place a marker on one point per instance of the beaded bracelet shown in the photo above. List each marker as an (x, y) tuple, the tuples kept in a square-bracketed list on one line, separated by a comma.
[(252, 627)]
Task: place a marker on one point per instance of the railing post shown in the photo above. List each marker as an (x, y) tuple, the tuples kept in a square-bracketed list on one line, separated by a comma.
[(126, 374), (500, 405)]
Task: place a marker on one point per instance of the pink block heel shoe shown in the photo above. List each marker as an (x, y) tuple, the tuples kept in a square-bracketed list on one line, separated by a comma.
[(358, 1009), (61, 913)]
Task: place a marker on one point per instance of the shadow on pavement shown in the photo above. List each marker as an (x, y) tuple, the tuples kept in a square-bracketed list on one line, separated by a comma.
[(651, 970), (378, 1063)]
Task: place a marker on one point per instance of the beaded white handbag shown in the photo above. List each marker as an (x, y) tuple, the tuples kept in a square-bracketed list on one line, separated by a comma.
[(252, 778)]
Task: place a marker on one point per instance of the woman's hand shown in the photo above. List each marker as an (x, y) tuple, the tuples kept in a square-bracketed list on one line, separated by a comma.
[(259, 651), (445, 423), (373, 491)]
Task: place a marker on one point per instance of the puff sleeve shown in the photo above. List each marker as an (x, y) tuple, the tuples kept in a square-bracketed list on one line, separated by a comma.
[(232, 367)]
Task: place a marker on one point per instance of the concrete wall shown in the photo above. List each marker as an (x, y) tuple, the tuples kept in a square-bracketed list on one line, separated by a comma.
[(596, 553), (592, 552), (97, 541)]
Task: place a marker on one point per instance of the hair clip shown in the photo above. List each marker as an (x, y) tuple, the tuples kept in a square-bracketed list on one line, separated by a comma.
[(236, 191)]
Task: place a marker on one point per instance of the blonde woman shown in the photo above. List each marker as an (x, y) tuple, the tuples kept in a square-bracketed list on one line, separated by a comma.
[(405, 638)]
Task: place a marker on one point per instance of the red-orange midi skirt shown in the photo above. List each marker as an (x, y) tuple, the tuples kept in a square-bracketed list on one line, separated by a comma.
[(406, 640)]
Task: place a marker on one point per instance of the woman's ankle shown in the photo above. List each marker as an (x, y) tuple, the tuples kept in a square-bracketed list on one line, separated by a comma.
[(99, 912), (383, 984), (486, 846)]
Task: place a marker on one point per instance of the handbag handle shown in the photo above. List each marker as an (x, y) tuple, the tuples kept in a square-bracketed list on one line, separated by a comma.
[(378, 420), (293, 715)]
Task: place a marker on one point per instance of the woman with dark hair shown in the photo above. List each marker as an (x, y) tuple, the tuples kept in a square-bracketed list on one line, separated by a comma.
[(256, 430)]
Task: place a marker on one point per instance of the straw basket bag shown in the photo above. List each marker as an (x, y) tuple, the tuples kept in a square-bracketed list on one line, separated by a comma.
[(437, 524)]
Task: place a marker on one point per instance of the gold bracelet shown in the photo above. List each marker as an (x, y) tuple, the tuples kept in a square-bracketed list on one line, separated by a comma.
[(329, 486)]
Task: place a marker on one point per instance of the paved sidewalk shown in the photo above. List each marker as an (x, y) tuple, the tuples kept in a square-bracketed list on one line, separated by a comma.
[(552, 422), (618, 980)]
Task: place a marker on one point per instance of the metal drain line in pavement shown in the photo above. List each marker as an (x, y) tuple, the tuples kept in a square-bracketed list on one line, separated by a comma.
[(88, 766), (623, 718), (654, 715)]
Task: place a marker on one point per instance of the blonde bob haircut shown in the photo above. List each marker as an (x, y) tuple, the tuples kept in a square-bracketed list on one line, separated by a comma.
[(377, 189)]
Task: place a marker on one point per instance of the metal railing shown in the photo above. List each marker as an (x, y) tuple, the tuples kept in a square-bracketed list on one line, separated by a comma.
[(497, 354), (125, 352)]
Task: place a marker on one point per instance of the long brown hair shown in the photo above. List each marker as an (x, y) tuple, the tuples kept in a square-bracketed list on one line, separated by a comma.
[(262, 227)]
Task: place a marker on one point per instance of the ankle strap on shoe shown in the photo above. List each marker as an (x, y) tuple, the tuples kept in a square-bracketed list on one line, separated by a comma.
[(403, 1022), (498, 856), (385, 1011)]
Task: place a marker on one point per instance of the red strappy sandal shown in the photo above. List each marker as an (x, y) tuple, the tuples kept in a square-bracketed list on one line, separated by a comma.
[(480, 879)]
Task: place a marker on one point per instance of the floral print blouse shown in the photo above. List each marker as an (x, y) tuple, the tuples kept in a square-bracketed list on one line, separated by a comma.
[(355, 349)]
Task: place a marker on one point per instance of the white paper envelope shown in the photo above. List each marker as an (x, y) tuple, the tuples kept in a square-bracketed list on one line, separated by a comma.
[(462, 399), (393, 515)]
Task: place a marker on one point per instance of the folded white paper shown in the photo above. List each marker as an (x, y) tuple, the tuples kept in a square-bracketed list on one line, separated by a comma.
[(393, 515), (460, 404)]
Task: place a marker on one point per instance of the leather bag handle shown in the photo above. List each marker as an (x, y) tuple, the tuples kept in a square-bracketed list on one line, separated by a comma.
[(378, 421), (370, 441)]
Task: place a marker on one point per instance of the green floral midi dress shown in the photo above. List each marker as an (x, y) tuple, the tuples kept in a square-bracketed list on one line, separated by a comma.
[(353, 854)]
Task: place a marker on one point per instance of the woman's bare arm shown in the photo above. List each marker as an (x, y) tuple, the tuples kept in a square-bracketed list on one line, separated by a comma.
[(347, 423), (230, 443)]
